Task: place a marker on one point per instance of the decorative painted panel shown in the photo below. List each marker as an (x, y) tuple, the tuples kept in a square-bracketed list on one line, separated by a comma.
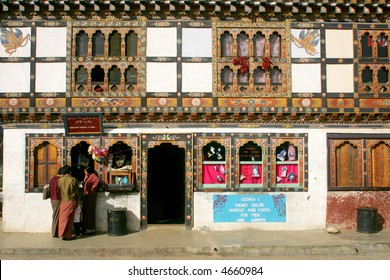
[(33, 141), (288, 163)]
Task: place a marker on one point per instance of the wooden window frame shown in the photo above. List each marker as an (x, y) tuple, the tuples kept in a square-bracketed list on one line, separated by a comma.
[(105, 61), (365, 143)]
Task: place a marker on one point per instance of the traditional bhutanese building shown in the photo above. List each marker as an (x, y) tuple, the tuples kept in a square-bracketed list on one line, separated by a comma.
[(206, 115)]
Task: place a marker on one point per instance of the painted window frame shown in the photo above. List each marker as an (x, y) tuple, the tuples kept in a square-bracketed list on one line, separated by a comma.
[(64, 145), (364, 144), (269, 143)]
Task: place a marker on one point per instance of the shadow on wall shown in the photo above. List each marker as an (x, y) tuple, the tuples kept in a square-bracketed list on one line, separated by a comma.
[(342, 208), (115, 202)]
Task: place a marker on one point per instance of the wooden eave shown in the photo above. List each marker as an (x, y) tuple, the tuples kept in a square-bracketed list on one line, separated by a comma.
[(198, 118), (354, 10)]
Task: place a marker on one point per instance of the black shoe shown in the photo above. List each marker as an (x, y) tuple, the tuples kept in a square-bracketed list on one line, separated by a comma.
[(67, 239)]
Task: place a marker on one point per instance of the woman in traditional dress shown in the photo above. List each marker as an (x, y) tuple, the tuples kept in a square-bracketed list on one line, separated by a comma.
[(91, 182), (69, 187)]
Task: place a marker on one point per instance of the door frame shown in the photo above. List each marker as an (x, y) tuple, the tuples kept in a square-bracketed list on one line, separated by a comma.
[(184, 141)]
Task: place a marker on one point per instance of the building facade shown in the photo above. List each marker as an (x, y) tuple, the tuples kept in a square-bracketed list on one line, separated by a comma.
[(208, 115)]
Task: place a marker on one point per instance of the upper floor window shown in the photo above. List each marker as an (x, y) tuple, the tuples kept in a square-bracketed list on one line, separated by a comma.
[(106, 59), (98, 44), (374, 68), (249, 61)]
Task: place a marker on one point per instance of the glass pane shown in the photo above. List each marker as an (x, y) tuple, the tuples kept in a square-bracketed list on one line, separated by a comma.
[(275, 45), (366, 45), (226, 45), (276, 76), (259, 76), (98, 44), (367, 75), (81, 44), (131, 75), (131, 44), (259, 44), (115, 44), (81, 76), (243, 78), (114, 76), (243, 44), (382, 45), (227, 76), (383, 76)]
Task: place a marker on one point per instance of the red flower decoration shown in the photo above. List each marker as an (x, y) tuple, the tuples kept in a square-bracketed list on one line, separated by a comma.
[(243, 62), (266, 63)]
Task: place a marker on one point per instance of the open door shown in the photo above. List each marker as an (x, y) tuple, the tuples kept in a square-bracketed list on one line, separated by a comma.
[(166, 184)]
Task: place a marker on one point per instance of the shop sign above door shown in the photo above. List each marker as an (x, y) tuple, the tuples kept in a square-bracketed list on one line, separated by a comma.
[(83, 124)]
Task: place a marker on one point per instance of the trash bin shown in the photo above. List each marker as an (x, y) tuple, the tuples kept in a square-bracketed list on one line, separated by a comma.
[(367, 220), (117, 223)]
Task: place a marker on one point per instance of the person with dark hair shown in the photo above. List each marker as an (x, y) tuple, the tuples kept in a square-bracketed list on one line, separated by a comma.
[(91, 182), (70, 196), (55, 199)]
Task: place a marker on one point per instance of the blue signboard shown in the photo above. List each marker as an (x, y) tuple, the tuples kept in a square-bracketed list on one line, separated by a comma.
[(252, 208)]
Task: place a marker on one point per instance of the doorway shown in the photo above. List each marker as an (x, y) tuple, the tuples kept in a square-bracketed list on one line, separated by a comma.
[(166, 184)]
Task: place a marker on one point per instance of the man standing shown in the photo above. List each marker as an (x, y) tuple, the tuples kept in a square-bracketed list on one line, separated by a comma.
[(69, 187), (55, 199)]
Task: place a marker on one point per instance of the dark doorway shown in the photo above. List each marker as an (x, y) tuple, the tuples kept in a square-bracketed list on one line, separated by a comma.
[(166, 177)]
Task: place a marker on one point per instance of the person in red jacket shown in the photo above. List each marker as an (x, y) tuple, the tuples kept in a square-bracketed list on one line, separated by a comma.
[(91, 182), (55, 199)]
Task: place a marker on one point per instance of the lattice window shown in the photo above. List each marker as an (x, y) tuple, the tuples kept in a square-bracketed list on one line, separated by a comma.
[(374, 49), (106, 59), (252, 60)]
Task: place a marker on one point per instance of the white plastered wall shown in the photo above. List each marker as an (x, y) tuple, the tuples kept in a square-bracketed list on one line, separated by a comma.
[(27, 212)]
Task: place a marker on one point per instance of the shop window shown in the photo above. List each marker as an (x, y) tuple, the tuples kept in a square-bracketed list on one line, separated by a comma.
[(45, 164), (251, 165), (98, 44), (131, 44), (80, 159), (213, 165), (81, 44), (120, 164), (287, 169), (115, 44)]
